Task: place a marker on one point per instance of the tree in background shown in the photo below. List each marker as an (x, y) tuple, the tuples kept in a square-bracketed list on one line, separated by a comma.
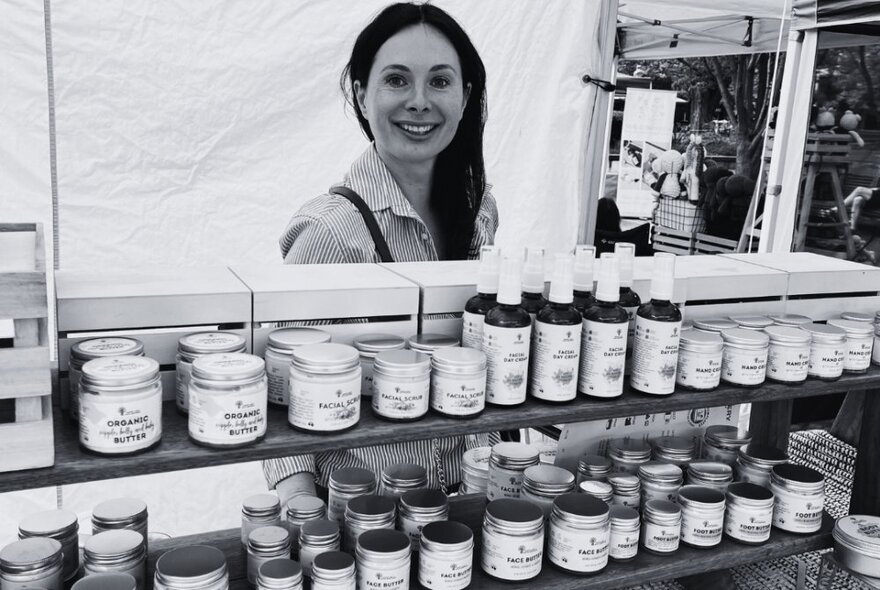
[(845, 80)]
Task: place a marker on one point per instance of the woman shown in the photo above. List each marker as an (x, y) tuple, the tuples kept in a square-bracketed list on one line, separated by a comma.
[(418, 87)]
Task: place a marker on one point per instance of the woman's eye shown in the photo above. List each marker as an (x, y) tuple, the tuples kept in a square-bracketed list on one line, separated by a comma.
[(441, 82), (395, 81)]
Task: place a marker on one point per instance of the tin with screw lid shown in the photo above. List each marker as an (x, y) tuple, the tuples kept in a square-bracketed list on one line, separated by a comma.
[(367, 513), (513, 540), (123, 551), (427, 343), (755, 462), (714, 325), (799, 498), (334, 570), (744, 361), (661, 527), (458, 382), (446, 556), (400, 478), (300, 509), (507, 463), (94, 348), (107, 581), (627, 454), (710, 474), (325, 388), (265, 544), (368, 346), (279, 354), (660, 481), (721, 443), (542, 484), (788, 359), (258, 511), (417, 508), (60, 525), (279, 574), (31, 563), (120, 513), (699, 359), (749, 513), (626, 491), (401, 385), (598, 489), (702, 515), (195, 567), (857, 543), (677, 450), (579, 534), (594, 467), (752, 322), (859, 344), (791, 319), (828, 350), (345, 484), (383, 556), (475, 470), (625, 525), (191, 347), (315, 538)]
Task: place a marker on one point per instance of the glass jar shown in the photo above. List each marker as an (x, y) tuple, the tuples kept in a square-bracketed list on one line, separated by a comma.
[(60, 525), (601, 490), (347, 483), (594, 467), (334, 570), (793, 320), (300, 509), (749, 513), (402, 477), (721, 443), (710, 474), (417, 509), (258, 511), (121, 513), (699, 360), (458, 382), (317, 537), (475, 471), (94, 348), (661, 527), (744, 361), (626, 491), (579, 534), (383, 554), (447, 556), (196, 567), (31, 563), (265, 544), (660, 481), (367, 513), (123, 551), (109, 581), (702, 516), (677, 450), (859, 344), (827, 351), (120, 409), (627, 454), (625, 527), (788, 359), (368, 346), (279, 355), (752, 322), (325, 394), (714, 325), (428, 343), (513, 540), (279, 574), (755, 462), (401, 385), (799, 498), (227, 396), (542, 484), (191, 347), (507, 463)]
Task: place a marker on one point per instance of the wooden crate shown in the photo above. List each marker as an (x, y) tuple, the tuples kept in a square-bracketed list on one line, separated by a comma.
[(671, 240), (26, 435)]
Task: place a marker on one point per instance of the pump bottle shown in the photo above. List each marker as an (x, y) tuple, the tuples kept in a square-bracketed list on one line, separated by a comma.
[(584, 257), (486, 298), (533, 282)]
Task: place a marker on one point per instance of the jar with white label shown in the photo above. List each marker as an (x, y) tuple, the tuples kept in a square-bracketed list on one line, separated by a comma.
[(627, 454), (368, 346), (710, 474), (828, 351), (400, 478), (61, 525), (677, 450), (195, 567), (744, 361), (429, 343), (367, 513), (755, 462), (279, 354), (793, 320), (721, 443), (120, 409), (507, 463), (191, 347), (660, 481), (121, 513), (799, 498), (699, 360), (279, 574), (579, 534), (714, 325), (418, 508), (325, 384), (598, 489), (383, 560), (123, 551), (859, 344), (594, 467), (875, 352), (334, 570), (626, 491), (265, 544), (542, 484), (625, 525), (315, 538), (301, 509), (258, 511), (788, 359), (513, 540), (752, 322), (227, 397), (447, 556), (702, 516), (31, 563), (458, 382), (94, 348), (475, 471), (401, 385), (749, 513), (347, 483), (111, 581), (661, 527)]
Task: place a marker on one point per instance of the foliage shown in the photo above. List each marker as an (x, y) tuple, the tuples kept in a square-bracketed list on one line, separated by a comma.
[(846, 79)]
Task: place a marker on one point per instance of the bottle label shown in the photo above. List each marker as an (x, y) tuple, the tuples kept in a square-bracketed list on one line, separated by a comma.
[(109, 425), (228, 418), (472, 330), (655, 356), (324, 407), (660, 538), (797, 514), (603, 354), (624, 545), (503, 483), (184, 374), (507, 362), (512, 558), (399, 399), (785, 363), (380, 576), (826, 360), (743, 367), (858, 356), (582, 551), (278, 374), (698, 370), (752, 525), (439, 573), (555, 364), (458, 395), (702, 530)]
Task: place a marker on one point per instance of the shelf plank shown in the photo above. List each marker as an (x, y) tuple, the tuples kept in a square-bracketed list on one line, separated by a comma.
[(177, 452)]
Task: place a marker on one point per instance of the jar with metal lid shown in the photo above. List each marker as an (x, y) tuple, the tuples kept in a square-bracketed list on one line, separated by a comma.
[(108, 581), (417, 509), (227, 396), (721, 443), (195, 567), (446, 557), (660, 481), (857, 543), (123, 551), (121, 513), (627, 454), (710, 474), (367, 513), (755, 462), (325, 388), (401, 385), (258, 511), (458, 382), (344, 484), (31, 563), (279, 355), (265, 544), (744, 361), (875, 351), (752, 322), (428, 343), (300, 509), (191, 347), (333, 570), (702, 516), (857, 316), (799, 498), (598, 489), (383, 555), (368, 346), (475, 470), (315, 538), (699, 360), (542, 484), (859, 344), (507, 462), (661, 527), (280, 574), (749, 513), (714, 325), (828, 350), (626, 491), (513, 540), (594, 467), (60, 525), (677, 450), (625, 525), (791, 319), (402, 477), (788, 359), (579, 534), (94, 348), (120, 409)]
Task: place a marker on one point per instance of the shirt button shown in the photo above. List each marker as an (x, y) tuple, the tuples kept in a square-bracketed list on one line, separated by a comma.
[(425, 236)]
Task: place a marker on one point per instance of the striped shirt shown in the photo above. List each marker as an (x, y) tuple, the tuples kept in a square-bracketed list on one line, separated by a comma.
[(329, 229)]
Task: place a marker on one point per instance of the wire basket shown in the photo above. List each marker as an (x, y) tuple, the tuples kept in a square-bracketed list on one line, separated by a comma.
[(680, 214)]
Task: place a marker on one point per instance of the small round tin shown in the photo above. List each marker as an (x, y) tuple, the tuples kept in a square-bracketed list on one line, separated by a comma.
[(857, 543)]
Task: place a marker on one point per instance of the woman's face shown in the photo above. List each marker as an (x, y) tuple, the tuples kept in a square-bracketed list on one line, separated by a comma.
[(415, 95)]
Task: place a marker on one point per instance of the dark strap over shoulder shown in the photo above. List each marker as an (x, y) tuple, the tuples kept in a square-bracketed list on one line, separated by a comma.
[(369, 220)]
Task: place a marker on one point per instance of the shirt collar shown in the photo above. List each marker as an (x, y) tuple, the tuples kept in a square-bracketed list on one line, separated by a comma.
[(371, 179)]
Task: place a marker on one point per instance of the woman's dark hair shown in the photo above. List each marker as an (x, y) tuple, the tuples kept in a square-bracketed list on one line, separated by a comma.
[(607, 215), (459, 174)]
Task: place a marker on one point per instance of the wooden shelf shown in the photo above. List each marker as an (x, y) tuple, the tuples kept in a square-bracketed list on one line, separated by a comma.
[(176, 451)]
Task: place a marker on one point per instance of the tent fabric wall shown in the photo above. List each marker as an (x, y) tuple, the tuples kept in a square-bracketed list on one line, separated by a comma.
[(810, 14)]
